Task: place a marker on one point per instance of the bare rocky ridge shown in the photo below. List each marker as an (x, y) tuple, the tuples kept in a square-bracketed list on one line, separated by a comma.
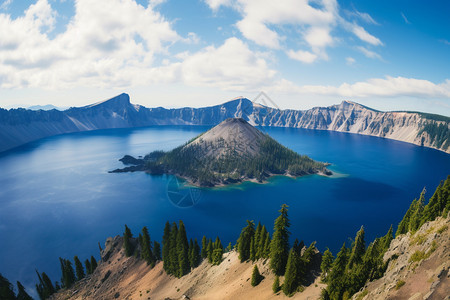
[(20, 126), (419, 266)]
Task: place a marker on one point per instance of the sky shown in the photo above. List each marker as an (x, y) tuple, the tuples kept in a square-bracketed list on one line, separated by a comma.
[(389, 55)]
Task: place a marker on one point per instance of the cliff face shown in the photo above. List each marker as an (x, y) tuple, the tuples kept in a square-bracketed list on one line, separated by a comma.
[(418, 268), (19, 126)]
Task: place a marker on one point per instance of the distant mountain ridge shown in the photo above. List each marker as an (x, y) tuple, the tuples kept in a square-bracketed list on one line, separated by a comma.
[(20, 126)]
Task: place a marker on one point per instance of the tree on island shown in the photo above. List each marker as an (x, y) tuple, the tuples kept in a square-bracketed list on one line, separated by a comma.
[(279, 247)]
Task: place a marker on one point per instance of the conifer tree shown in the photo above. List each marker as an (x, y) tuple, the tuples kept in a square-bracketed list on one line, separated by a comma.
[(93, 264), (68, 274), (229, 247), (256, 276), (127, 235), (416, 215), (88, 266), (336, 279), (267, 245), (403, 226), (157, 250), (253, 249), (387, 239), (291, 275), (276, 284), (6, 289), (204, 253), (191, 253), (21, 293), (166, 247), (78, 268), (173, 251), (182, 249), (209, 251), (279, 247), (197, 257), (358, 249), (245, 240), (146, 248), (257, 237), (325, 266)]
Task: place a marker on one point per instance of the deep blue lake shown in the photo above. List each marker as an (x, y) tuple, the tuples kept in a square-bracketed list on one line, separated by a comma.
[(58, 199)]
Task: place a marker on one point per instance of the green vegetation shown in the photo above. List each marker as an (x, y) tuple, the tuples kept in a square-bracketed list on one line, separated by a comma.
[(442, 229), (439, 133), (399, 284), (126, 242), (276, 285), (191, 161), (7, 290), (256, 276), (279, 247), (327, 262), (78, 268)]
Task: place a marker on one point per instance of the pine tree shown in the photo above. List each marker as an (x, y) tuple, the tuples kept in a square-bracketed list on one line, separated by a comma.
[(209, 251), (93, 264), (267, 245), (6, 289), (256, 276), (182, 249), (191, 253), (387, 239), (21, 293), (173, 251), (229, 247), (279, 247), (197, 257), (166, 247), (157, 250), (325, 266), (336, 279), (253, 249), (276, 284), (68, 274), (78, 268), (257, 237), (127, 235), (358, 249), (291, 275), (146, 250), (417, 214), (204, 253), (403, 226), (245, 240), (88, 267)]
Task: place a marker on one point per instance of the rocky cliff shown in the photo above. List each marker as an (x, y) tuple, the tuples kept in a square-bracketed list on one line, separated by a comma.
[(418, 268), (19, 126)]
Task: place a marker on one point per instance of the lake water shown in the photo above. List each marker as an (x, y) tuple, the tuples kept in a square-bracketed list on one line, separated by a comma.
[(58, 199)]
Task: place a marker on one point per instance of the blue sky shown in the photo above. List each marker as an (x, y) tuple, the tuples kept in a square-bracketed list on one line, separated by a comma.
[(389, 55)]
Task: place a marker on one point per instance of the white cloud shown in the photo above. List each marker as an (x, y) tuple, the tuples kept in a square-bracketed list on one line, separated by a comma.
[(231, 66), (5, 4), (375, 87), (263, 22), (350, 60), (362, 16), (404, 18), (368, 53), (303, 56)]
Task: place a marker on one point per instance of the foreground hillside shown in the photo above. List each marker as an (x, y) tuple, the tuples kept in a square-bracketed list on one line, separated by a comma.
[(131, 278), (418, 268), (20, 126)]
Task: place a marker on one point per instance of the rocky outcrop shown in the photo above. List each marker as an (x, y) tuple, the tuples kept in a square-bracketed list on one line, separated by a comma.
[(418, 266), (20, 126)]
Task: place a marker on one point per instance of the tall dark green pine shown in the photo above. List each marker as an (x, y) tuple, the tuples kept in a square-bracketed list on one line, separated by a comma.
[(209, 251), (87, 264), (417, 214), (166, 247), (291, 275), (197, 257), (146, 251), (204, 252), (157, 250), (21, 293), (68, 274), (279, 247), (78, 268), (434, 207), (6, 289), (126, 241), (267, 245), (182, 249), (191, 253), (217, 252), (276, 284), (403, 226), (253, 249), (327, 262), (257, 238), (358, 249), (93, 264), (245, 240), (336, 279), (173, 251), (387, 239)]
